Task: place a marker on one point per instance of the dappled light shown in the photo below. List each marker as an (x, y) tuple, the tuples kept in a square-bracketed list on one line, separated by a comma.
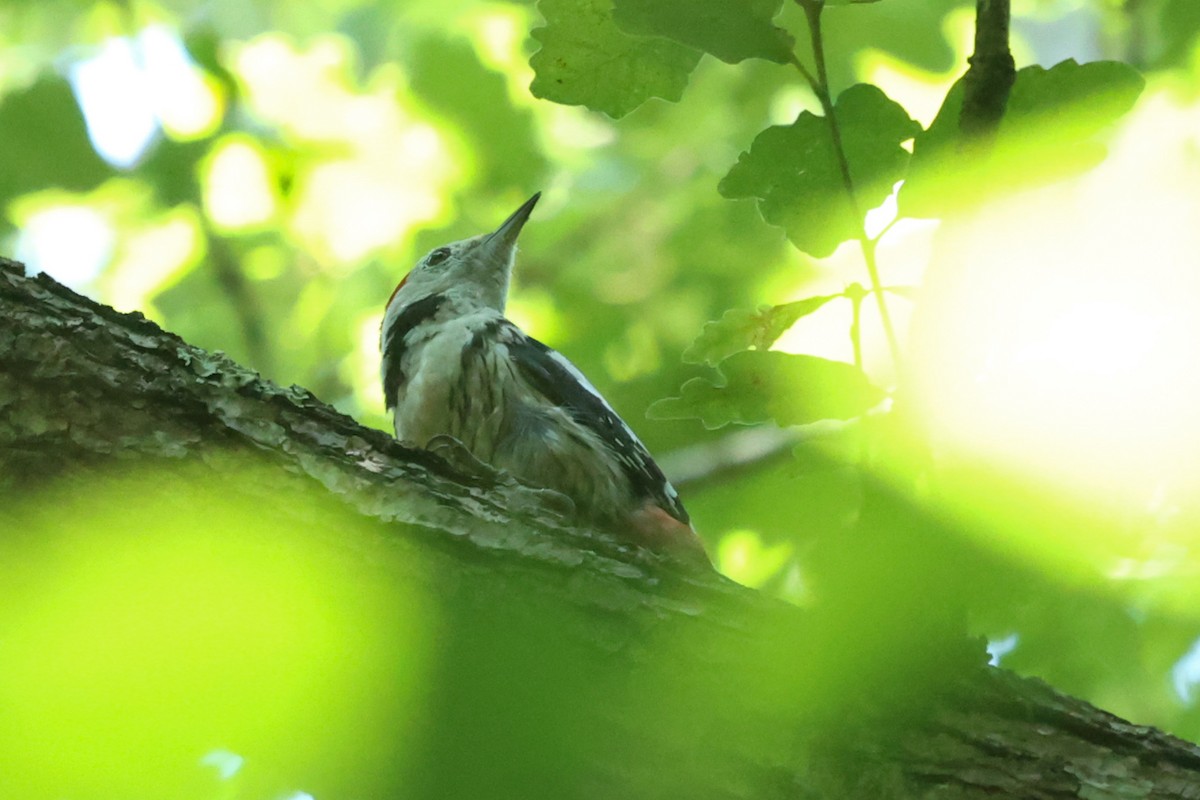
[(239, 190), (69, 240), (384, 171), (742, 556)]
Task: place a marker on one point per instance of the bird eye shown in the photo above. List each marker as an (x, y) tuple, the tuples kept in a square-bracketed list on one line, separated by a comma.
[(438, 256)]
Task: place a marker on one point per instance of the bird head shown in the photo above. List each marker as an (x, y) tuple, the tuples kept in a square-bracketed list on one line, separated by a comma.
[(476, 270)]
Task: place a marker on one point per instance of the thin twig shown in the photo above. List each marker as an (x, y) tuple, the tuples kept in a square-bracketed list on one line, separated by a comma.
[(806, 74), (884, 231), (812, 10), (856, 293)]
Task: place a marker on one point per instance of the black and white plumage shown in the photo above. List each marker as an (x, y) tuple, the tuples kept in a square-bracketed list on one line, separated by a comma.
[(453, 365)]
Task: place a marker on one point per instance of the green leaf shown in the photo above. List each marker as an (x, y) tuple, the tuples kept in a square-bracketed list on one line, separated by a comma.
[(794, 171), (585, 59), (938, 177), (755, 386), (1068, 104), (1051, 130), (741, 329), (1105, 90), (731, 30)]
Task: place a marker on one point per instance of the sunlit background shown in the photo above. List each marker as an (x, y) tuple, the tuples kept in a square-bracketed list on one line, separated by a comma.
[(257, 176)]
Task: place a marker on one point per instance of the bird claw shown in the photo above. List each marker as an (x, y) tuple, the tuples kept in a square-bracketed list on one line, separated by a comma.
[(555, 501), (457, 455)]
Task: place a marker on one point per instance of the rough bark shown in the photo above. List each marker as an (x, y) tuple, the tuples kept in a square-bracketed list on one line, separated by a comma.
[(572, 665)]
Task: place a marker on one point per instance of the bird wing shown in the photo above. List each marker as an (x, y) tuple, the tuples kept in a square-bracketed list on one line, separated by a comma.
[(561, 383)]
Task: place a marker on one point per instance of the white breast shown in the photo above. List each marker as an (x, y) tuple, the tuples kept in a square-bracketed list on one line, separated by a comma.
[(433, 367)]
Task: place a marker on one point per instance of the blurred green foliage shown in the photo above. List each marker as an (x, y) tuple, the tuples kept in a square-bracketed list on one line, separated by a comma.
[(301, 156)]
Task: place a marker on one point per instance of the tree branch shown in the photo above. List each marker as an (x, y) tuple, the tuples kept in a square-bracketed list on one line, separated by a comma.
[(566, 664), (992, 73)]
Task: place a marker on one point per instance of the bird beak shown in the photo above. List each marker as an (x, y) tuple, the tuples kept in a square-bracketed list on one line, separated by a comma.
[(511, 227)]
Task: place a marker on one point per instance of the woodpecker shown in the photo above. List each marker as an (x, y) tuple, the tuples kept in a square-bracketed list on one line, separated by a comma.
[(454, 367)]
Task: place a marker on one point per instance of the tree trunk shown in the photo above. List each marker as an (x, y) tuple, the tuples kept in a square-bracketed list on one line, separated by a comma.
[(548, 661)]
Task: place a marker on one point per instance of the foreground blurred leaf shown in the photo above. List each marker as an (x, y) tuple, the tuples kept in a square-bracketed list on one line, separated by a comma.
[(793, 169), (205, 621), (757, 386), (1050, 131), (585, 59), (740, 329), (732, 30)]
